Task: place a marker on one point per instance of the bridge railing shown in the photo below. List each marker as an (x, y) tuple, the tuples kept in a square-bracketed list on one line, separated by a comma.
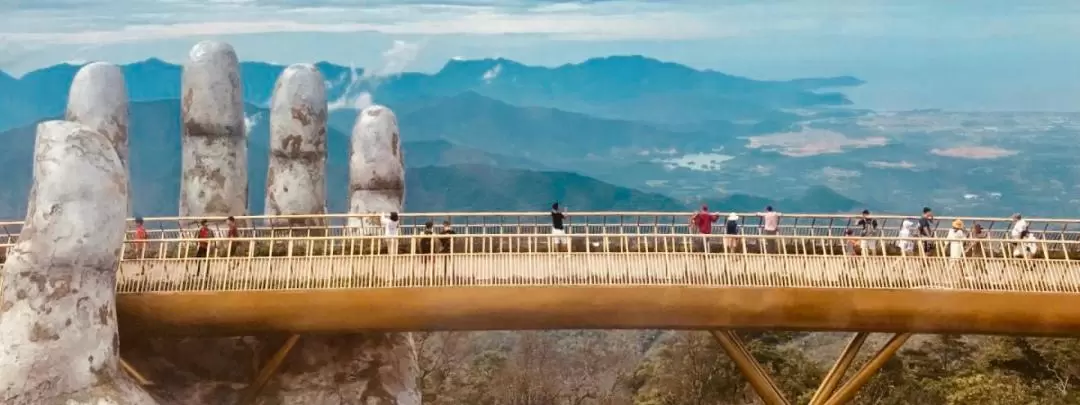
[(481, 223), (363, 261), (287, 245)]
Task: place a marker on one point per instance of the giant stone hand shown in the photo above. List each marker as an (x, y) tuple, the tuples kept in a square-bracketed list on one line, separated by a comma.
[(57, 304)]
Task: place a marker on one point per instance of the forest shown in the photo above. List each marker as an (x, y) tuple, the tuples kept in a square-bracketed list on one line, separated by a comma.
[(690, 368)]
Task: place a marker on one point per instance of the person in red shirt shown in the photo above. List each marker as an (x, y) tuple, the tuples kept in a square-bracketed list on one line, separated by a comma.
[(234, 232), (703, 221), (204, 239), (140, 237)]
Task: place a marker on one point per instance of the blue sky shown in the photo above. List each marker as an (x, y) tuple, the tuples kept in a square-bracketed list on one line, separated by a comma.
[(953, 54)]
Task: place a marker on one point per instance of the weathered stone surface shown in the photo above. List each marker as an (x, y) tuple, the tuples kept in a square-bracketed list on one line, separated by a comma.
[(376, 166), (98, 99), (296, 178), (214, 159), (58, 336)]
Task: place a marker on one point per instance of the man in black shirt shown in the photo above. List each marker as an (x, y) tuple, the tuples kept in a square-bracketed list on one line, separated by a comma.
[(557, 218), (869, 227), (925, 230), (446, 242)]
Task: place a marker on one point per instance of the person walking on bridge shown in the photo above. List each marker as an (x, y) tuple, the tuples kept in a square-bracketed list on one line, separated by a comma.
[(926, 230), (770, 227), (233, 233), (868, 231), (390, 230), (203, 246), (558, 227), (702, 222), (140, 238)]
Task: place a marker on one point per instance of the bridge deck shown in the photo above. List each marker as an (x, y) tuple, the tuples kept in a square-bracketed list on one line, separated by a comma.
[(599, 290)]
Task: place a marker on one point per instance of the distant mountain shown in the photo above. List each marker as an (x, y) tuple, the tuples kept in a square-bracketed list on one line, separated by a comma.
[(455, 177), (539, 133), (619, 87), (443, 153), (487, 188)]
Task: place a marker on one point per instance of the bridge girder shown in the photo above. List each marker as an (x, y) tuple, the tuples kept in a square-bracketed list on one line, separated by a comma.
[(827, 393)]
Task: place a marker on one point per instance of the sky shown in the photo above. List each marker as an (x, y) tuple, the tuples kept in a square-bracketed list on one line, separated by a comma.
[(953, 54)]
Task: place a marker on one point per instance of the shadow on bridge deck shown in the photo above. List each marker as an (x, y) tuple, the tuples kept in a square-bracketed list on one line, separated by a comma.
[(598, 290)]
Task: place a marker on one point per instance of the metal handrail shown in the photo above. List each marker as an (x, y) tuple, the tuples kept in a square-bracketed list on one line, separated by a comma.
[(363, 261)]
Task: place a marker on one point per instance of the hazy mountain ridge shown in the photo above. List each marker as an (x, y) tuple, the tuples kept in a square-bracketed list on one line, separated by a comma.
[(454, 177), (628, 87)]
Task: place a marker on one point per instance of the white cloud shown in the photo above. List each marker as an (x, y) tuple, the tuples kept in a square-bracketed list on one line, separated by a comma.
[(974, 152), (357, 94), (492, 73), (881, 164), (834, 174), (811, 142)]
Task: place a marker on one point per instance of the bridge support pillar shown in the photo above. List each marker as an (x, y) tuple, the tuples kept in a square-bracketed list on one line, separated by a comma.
[(268, 371), (827, 393), (764, 385), (135, 375)]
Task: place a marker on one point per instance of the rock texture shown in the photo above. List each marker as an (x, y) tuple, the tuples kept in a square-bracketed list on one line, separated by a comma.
[(376, 167), (296, 178), (98, 99), (214, 178), (57, 305)]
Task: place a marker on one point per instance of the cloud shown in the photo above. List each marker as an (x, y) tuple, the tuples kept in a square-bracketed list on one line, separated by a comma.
[(880, 164), (811, 142), (492, 73), (974, 152), (835, 174), (357, 94)]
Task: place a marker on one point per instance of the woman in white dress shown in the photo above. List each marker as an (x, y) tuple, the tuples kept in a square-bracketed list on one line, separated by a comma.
[(956, 236), (905, 243)]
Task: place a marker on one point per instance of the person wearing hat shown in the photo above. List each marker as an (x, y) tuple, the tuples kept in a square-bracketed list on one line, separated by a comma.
[(731, 228), (956, 236)]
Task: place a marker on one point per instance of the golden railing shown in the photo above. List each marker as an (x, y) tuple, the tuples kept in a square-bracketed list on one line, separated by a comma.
[(577, 223), (334, 262)]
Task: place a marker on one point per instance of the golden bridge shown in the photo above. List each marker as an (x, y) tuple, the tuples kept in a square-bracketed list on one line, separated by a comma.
[(611, 271)]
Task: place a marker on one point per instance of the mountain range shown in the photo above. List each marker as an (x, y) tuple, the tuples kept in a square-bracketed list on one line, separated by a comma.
[(440, 175), (618, 87), (478, 134)]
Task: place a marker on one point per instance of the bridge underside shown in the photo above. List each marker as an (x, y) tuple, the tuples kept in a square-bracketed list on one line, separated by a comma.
[(232, 313)]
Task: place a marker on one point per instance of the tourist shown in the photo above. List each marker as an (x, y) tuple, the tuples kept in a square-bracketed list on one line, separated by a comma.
[(1017, 231), (906, 245), (731, 229), (926, 231), (977, 248), (1028, 246), (446, 242), (390, 231), (233, 234), (869, 231), (140, 238), (204, 236), (849, 243), (770, 227), (558, 226), (957, 236), (702, 222), (427, 239)]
